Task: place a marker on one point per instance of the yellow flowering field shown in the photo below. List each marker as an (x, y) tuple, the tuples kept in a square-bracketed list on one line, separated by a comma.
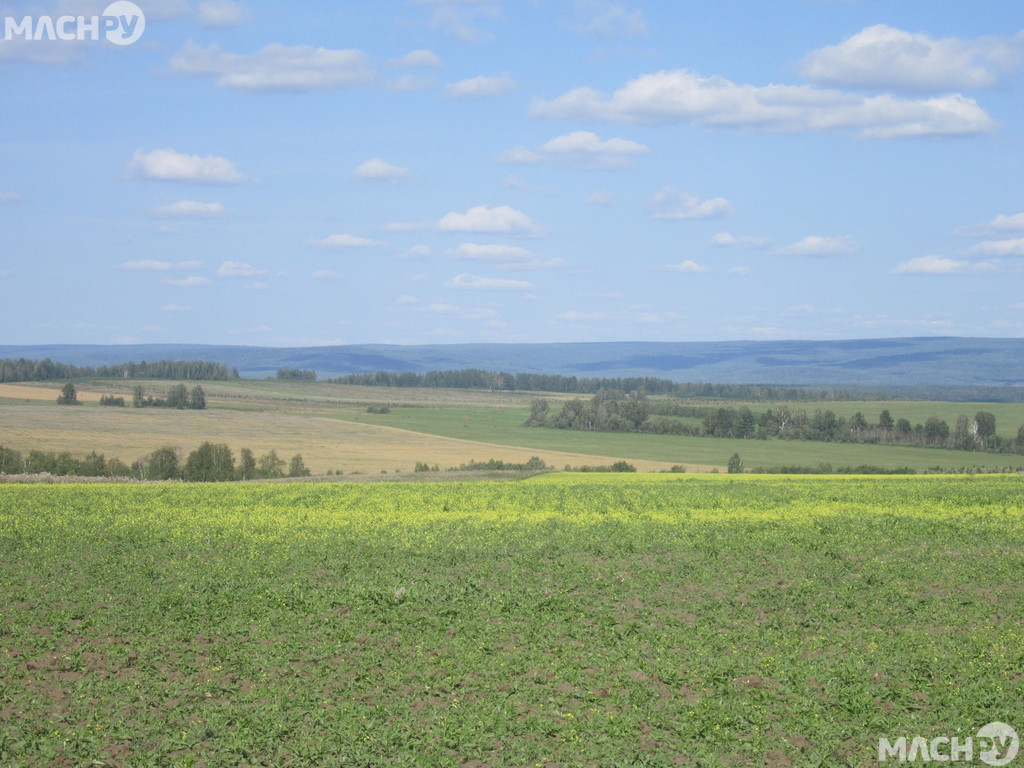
[(568, 620)]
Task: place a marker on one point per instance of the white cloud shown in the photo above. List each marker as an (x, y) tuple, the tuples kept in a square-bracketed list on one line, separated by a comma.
[(727, 240), (477, 283), (739, 271), (470, 313), (223, 13), (256, 287), (581, 149), (1001, 224), (379, 170), (940, 265), (171, 165), (188, 282), (159, 266), (327, 274), (687, 267), (814, 245), (276, 67), (238, 269), (504, 256), (409, 84), (604, 18), (456, 17), (9, 197), (501, 220), (583, 317), (175, 308), (684, 96), (416, 252), (418, 59), (344, 241), (670, 203), (999, 248), (884, 57), (407, 299), (480, 87), (499, 253), (190, 209)]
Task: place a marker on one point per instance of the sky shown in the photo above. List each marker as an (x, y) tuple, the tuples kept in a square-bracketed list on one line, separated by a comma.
[(451, 171)]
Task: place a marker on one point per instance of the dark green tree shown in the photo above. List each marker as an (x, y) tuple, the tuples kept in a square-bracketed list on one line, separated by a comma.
[(735, 464), (177, 397), (162, 464), (270, 466), (246, 465), (138, 396), (209, 463), (297, 467), (68, 395), (197, 399)]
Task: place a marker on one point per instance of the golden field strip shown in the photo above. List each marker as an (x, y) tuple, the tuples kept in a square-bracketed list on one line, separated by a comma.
[(288, 426)]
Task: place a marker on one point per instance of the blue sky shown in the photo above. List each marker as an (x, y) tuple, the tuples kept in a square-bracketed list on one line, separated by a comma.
[(432, 171)]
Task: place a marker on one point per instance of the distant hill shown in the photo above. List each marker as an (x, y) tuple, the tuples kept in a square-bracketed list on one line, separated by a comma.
[(900, 362)]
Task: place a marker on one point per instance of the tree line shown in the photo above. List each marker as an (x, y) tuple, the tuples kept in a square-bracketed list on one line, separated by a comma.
[(472, 378), (611, 411), (177, 370), (209, 462), (178, 397)]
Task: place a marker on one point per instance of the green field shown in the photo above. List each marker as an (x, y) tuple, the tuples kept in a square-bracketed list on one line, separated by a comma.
[(503, 426), (562, 621), (329, 425)]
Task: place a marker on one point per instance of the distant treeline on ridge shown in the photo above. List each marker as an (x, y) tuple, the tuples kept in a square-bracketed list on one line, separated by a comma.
[(176, 370), (472, 378)]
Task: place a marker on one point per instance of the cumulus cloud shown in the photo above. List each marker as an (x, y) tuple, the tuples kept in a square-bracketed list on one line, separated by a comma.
[(238, 269), (1000, 224), (222, 13), (940, 265), (500, 220), (456, 18), (175, 308), (190, 209), (1013, 247), (276, 67), (581, 149), (148, 265), (344, 241), (687, 267), (9, 197), (379, 170), (419, 59), (602, 197), (327, 274), (477, 283), (504, 256), (171, 165), (188, 282), (604, 18), (480, 87), (670, 203), (727, 240), (682, 96), (416, 252), (815, 245), (884, 57)]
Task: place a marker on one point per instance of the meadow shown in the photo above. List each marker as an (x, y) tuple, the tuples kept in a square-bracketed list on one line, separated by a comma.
[(330, 427), (565, 620)]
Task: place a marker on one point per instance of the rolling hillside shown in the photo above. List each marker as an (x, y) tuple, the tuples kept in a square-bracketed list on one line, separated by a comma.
[(930, 361)]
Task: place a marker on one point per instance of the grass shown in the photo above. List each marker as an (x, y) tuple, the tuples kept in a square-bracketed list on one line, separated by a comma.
[(328, 424), (570, 621), (502, 426)]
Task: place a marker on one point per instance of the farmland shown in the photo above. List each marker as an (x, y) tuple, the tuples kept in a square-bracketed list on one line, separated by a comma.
[(330, 426), (565, 620)]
